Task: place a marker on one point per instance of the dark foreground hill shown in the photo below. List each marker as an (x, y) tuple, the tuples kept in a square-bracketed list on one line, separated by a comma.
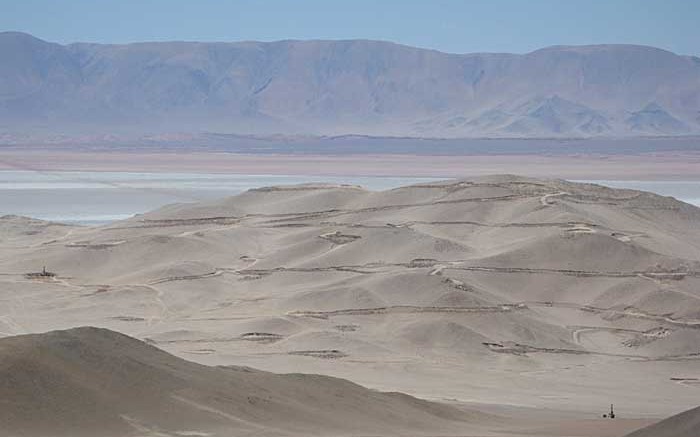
[(686, 424), (96, 382)]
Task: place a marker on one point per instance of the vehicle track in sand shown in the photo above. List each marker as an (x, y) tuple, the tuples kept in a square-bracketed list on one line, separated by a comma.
[(578, 330), (628, 312), (544, 200)]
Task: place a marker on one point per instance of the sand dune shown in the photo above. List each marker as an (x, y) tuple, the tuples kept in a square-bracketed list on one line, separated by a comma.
[(499, 290), (686, 424), (89, 381)]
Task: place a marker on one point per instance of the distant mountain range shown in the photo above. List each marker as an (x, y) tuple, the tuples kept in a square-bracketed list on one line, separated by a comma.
[(344, 87)]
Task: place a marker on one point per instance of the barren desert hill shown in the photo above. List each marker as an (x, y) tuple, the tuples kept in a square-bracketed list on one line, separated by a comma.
[(343, 87), (90, 381), (685, 424), (483, 289)]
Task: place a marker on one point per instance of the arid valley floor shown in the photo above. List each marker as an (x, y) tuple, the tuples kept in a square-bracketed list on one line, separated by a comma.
[(523, 306)]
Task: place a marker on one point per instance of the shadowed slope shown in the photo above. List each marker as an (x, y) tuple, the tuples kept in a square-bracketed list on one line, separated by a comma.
[(686, 424), (96, 382)]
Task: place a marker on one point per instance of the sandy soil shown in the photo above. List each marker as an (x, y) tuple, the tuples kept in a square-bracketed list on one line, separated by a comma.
[(540, 301), (96, 382), (685, 424)]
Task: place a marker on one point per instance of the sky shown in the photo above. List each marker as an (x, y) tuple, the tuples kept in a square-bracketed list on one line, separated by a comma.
[(455, 26)]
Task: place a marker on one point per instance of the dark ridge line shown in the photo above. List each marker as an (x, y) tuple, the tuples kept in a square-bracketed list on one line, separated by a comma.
[(583, 273), (524, 349), (150, 223), (338, 212), (186, 277), (322, 224), (501, 225), (406, 309), (431, 263)]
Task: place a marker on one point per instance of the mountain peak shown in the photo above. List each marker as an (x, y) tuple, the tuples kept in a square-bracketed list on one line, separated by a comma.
[(336, 88), (593, 48), (653, 107), (15, 36)]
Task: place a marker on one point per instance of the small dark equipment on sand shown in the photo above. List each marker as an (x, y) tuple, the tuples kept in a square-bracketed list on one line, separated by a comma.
[(612, 413), (42, 274)]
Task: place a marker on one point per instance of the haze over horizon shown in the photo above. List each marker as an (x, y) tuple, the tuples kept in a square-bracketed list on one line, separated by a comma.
[(446, 69), (455, 26), (342, 87)]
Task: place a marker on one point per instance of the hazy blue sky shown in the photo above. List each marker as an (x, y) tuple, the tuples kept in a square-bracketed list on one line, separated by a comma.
[(448, 25)]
